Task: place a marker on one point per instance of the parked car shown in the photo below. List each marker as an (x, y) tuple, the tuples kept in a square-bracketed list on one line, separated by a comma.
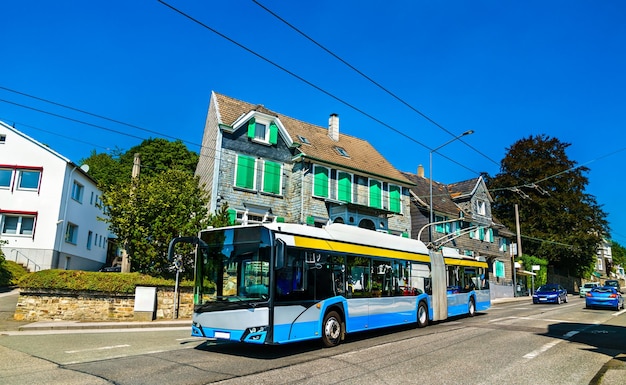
[(550, 292), (586, 288), (613, 283), (604, 296), (111, 269)]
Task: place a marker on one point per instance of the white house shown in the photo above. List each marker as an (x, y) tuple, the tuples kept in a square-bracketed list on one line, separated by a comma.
[(49, 207)]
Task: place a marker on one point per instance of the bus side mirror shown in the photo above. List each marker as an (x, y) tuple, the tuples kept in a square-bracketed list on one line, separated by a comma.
[(279, 259)]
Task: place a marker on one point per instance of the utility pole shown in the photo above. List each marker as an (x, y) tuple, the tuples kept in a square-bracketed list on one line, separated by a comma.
[(135, 175), (519, 248)]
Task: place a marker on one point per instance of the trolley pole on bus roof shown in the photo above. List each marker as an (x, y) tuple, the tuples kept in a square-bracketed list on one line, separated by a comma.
[(430, 176)]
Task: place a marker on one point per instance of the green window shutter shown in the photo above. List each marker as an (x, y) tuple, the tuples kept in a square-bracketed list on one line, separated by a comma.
[(472, 234), (394, 199), (245, 172), (320, 182), (405, 234), (232, 216), (344, 186), (499, 269), (271, 177), (273, 133), (310, 220), (481, 234), (490, 235), (376, 194), (251, 128)]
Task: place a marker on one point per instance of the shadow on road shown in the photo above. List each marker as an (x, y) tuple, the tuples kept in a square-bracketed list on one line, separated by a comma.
[(272, 352)]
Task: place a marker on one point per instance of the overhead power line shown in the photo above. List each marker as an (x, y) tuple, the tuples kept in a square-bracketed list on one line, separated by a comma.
[(342, 101), (423, 115)]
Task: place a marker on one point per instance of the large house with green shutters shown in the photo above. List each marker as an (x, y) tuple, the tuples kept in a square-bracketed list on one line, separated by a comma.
[(270, 167)]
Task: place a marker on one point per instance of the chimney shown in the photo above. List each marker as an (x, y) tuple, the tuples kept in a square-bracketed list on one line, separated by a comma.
[(333, 127), (420, 171)]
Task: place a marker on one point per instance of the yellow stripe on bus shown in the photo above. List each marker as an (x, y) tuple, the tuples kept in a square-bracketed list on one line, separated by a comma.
[(464, 262), (321, 244)]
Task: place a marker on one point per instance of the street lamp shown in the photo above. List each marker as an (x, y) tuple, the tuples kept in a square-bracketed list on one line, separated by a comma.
[(430, 173)]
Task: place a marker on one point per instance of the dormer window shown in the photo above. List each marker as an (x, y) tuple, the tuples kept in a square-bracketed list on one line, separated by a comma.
[(341, 151), (262, 130), (481, 208)]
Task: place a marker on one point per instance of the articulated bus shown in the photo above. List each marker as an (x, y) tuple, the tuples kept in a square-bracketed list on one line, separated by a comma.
[(276, 283)]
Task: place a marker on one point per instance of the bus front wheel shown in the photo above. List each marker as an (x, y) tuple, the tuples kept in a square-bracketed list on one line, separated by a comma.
[(422, 315), (332, 329)]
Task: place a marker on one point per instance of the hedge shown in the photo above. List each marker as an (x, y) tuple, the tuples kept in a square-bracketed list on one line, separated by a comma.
[(92, 281)]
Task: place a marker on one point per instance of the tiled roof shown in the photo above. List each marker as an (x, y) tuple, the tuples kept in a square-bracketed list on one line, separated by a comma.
[(442, 200), (363, 157), (465, 187)]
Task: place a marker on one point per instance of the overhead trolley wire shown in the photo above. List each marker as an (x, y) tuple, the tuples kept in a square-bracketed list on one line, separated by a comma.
[(328, 93), (423, 115)]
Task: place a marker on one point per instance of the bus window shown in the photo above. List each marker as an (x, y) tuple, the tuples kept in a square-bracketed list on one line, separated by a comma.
[(358, 271), (419, 280), (383, 279), (454, 284)]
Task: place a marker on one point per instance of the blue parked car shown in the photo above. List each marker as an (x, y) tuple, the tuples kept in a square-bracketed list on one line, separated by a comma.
[(550, 292), (605, 296)]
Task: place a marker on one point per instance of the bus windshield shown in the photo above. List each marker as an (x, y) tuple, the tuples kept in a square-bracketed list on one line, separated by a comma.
[(234, 267)]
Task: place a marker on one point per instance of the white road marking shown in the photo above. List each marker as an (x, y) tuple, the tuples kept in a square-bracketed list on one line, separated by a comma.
[(542, 349), (96, 349)]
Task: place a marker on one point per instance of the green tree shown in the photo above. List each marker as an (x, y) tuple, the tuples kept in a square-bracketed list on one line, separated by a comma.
[(619, 254), (156, 156), (151, 210), (559, 221)]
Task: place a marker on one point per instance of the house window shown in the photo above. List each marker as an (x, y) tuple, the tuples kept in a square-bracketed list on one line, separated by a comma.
[(89, 239), (71, 233), (481, 208), (262, 131), (3, 139), (376, 194), (395, 202), (77, 192), (320, 181), (503, 245), (303, 140), (272, 177), (18, 224), (599, 264), (29, 179), (6, 175), (245, 174), (344, 186)]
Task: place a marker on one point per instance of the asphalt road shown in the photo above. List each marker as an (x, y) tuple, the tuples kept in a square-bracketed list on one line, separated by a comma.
[(512, 343)]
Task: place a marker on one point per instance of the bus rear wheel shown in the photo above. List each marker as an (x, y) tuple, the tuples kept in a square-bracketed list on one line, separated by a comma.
[(422, 315), (332, 329), (472, 308)]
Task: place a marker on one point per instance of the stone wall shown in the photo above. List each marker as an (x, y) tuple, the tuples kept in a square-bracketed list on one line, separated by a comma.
[(56, 305)]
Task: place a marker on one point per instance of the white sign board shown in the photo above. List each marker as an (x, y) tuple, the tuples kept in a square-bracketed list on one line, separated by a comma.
[(145, 298)]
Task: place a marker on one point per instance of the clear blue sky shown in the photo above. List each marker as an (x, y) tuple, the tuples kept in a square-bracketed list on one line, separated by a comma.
[(504, 69)]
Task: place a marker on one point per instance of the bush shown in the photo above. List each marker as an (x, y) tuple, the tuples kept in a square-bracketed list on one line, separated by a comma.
[(11, 273), (92, 281)]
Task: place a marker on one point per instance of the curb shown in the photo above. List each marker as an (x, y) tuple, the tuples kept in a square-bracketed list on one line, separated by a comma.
[(77, 325)]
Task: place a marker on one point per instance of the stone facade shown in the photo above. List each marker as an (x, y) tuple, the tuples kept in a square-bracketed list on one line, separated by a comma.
[(56, 305)]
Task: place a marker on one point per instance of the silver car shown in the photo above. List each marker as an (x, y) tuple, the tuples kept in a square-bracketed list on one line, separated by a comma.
[(586, 288)]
